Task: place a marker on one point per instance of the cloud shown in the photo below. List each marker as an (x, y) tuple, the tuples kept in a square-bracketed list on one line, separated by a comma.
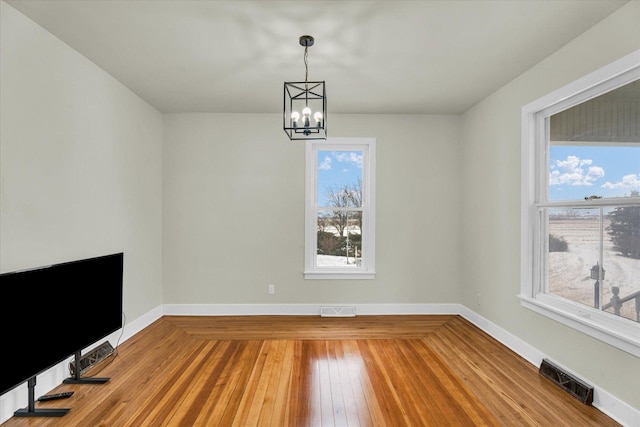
[(574, 171), (628, 181), (349, 157), (326, 164)]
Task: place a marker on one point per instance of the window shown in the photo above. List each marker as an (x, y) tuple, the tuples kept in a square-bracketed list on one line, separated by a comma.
[(581, 205), (340, 209)]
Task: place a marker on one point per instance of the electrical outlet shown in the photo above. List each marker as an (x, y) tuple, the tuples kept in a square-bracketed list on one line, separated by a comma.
[(271, 289)]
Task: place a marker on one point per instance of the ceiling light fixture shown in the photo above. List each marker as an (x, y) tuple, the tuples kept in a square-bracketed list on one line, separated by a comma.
[(305, 104)]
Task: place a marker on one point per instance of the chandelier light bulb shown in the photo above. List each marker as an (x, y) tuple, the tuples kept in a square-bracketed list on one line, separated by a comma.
[(306, 115), (295, 116)]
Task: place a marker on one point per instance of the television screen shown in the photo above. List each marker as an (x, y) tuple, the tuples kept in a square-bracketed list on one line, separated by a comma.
[(50, 313)]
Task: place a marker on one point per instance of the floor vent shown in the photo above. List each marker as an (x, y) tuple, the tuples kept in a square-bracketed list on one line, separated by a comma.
[(338, 311), (92, 358), (569, 383)]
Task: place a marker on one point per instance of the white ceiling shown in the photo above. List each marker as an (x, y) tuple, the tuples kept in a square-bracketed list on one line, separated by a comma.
[(375, 56)]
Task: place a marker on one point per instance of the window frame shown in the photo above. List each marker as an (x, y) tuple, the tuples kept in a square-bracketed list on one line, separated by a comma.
[(618, 332), (367, 268)]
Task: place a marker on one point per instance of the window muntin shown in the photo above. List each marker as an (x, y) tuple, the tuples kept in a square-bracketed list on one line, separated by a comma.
[(339, 238), (581, 176)]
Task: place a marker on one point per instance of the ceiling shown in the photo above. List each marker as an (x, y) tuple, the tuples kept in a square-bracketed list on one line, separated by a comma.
[(387, 57)]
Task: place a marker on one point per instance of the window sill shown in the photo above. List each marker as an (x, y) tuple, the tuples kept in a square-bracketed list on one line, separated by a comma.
[(620, 333), (339, 275)]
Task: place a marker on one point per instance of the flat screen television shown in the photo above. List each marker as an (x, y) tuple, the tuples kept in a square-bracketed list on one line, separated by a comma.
[(50, 313)]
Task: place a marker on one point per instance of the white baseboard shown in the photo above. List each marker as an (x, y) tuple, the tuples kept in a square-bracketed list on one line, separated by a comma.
[(514, 343), (603, 400), (303, 309)]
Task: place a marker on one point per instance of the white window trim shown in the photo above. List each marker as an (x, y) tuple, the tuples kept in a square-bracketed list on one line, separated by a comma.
[(367, 269), (618, 332)]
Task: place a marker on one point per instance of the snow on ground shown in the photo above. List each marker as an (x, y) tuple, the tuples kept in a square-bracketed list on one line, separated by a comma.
[(570, 272), (335, 261)]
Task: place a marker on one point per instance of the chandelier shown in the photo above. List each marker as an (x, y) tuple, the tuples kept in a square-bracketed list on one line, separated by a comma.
[(305, 104)]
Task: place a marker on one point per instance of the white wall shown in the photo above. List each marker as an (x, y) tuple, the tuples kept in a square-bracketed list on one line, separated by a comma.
[(491, 202), (80, 166), (234, 211)]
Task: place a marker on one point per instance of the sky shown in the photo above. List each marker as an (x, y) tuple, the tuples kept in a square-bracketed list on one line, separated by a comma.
[(337, 169), (577, 172)]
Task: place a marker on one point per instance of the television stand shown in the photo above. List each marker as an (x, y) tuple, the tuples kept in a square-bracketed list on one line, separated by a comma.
[(79, 379), (32, 411)]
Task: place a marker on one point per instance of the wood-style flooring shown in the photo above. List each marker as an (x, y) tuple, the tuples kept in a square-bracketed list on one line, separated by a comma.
[(431, 370)]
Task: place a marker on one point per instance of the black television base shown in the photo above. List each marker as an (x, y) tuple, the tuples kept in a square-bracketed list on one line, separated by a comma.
[(40, 412), (78, 379), (31, 410), (86, 380)]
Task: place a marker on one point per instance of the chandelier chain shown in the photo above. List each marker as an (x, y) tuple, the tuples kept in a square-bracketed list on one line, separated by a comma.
[(306, 65)]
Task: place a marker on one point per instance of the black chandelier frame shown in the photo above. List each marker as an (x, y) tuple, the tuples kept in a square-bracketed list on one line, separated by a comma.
[(305, 105)]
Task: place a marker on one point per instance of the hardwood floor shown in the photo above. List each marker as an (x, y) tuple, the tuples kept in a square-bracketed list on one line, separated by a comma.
[(310, 371)]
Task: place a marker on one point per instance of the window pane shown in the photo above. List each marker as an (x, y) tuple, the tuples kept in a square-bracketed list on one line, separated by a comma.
[(574, 242), (594, 146), (621, 262), (339, 239), (339, 182), (593, 257)]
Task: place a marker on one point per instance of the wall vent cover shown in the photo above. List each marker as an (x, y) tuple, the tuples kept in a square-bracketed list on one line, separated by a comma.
[(92, 358), (568, 382), (337, 311)]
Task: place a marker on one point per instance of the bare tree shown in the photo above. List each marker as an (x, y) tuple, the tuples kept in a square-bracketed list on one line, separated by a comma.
[(572, 213), (339, 197), (323, 223)]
